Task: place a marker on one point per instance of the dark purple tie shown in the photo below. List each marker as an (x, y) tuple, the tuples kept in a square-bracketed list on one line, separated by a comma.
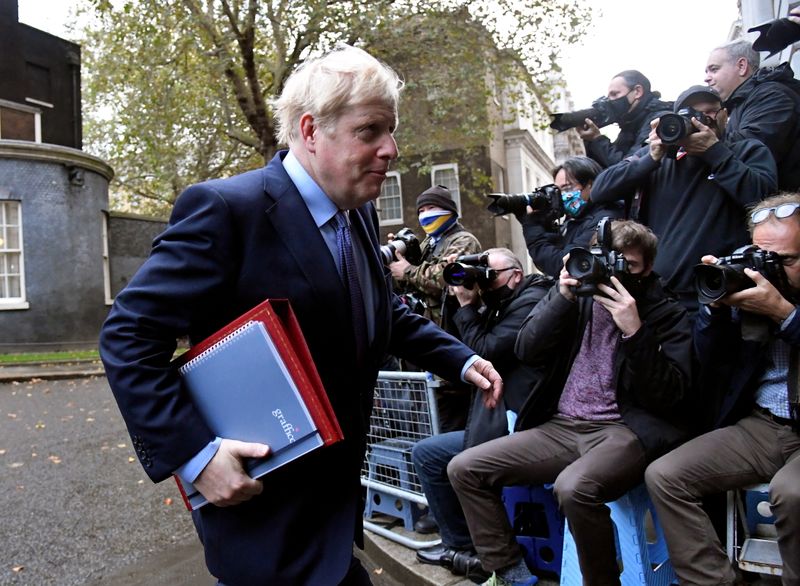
[(350, 275)]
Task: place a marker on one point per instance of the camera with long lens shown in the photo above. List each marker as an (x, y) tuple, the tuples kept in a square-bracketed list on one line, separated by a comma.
[(469, 269), (596, 265), (675, 127), (544, 201), (405, 243), (600, 113), (713, 282)]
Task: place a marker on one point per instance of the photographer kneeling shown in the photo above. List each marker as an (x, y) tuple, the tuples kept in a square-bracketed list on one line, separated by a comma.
[(546, 241), (749, 343), (619, 372), (488, 320)]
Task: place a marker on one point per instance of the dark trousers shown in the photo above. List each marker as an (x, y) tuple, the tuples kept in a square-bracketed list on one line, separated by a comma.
[(754, 450), (356, 575), (431, 457), (591, 463)]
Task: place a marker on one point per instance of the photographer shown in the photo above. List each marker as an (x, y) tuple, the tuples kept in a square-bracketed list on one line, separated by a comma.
[(693, 197), (756, 435), (762, 104), (619, 373), (489, 318), (445, 237), (547, 243), (633, 105)]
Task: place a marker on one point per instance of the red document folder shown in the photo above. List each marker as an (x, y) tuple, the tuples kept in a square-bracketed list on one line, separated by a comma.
[(283, 329)]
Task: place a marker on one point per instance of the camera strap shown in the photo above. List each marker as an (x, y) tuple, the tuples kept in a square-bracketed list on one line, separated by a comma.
[(636, 204)]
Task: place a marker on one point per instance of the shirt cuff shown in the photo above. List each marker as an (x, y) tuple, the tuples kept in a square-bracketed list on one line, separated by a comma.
[(192, 469), (788, 319), (470, 361)]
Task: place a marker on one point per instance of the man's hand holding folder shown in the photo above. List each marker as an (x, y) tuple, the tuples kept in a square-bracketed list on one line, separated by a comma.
[(224, 481)]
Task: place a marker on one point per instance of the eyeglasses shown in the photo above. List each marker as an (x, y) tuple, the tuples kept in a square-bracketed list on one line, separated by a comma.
[(781, 211)]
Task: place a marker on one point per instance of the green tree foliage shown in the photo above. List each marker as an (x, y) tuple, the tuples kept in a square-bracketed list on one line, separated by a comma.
[(179, 91)]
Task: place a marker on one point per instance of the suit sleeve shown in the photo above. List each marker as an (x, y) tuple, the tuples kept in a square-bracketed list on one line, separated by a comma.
[(421, 341), (185, 277)]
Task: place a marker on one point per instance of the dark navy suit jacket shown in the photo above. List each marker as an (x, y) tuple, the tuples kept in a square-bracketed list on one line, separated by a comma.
[(230, 244)]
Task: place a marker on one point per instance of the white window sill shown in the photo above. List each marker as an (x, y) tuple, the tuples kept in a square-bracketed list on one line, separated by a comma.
[(7, 306)]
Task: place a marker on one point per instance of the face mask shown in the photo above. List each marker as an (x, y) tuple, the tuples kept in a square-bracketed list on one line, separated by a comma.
[(434, 222), (619, 107), (494, 297), (573, 202), (635, 284)]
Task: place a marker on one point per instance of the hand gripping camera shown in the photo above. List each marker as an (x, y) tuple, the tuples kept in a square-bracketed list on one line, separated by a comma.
[(674, 127), (600, 113), (598, 264), (468, 270), (713, 282), (545, 201), (406, 243)]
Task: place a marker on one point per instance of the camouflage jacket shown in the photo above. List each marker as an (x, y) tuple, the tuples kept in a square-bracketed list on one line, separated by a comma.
[(426, 278)]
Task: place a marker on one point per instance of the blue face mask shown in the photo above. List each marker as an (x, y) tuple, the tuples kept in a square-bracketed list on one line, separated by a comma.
[(573, 202)]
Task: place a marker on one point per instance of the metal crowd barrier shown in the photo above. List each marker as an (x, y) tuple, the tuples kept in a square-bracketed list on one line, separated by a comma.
[(404, 412)]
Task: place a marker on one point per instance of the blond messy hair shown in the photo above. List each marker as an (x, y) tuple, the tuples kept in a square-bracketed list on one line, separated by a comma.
[(326, 86)]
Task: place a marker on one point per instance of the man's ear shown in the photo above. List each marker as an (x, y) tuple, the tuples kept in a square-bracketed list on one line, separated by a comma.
[(638, 91), (308, 132), (743, 67)]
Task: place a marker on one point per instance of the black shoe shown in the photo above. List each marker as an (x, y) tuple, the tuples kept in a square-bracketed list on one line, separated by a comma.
[(426, 525), (438, 555), (466, 563)]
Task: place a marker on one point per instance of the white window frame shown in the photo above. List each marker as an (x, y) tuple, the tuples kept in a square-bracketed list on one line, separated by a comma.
[(9, 303), (455, 193), (392, 221), (37, 117)]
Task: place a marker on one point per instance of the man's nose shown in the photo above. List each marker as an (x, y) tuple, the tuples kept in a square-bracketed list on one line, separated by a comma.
[(388, 148)]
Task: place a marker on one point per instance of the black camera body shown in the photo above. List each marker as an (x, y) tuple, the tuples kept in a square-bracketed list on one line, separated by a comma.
[(674, 127), (469, 269), (406, 243), (713, 282), (598, 264), (600, 113), (544, 201)]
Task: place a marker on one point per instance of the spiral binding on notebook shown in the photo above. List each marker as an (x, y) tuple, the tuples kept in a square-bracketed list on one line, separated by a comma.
[(189, 366)]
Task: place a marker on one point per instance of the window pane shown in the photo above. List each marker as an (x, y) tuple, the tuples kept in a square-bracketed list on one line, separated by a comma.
[(11, 239), (12, 213), (10, 251), (12, 263), (14, 287), (390, 202)]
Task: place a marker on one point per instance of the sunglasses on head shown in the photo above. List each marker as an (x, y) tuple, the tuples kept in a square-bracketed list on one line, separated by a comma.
[(781, 211)]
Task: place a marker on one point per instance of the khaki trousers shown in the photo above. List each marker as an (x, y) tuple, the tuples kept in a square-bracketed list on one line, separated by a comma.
[(754, 450), (591, 463)]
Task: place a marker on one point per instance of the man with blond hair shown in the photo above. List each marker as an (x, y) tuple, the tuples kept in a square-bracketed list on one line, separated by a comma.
[(303, 228)]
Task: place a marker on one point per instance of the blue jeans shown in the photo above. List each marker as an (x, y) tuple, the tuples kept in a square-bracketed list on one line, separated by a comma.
[(431, 457)]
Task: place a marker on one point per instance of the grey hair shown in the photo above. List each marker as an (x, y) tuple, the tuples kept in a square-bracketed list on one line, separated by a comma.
[(739, 48), (327, 85), (512, 258)]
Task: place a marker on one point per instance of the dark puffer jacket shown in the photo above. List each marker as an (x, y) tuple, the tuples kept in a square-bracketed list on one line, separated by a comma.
[(766, 107)]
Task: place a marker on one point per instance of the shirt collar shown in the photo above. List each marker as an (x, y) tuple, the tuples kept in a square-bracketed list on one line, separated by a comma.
[(321, 207)]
